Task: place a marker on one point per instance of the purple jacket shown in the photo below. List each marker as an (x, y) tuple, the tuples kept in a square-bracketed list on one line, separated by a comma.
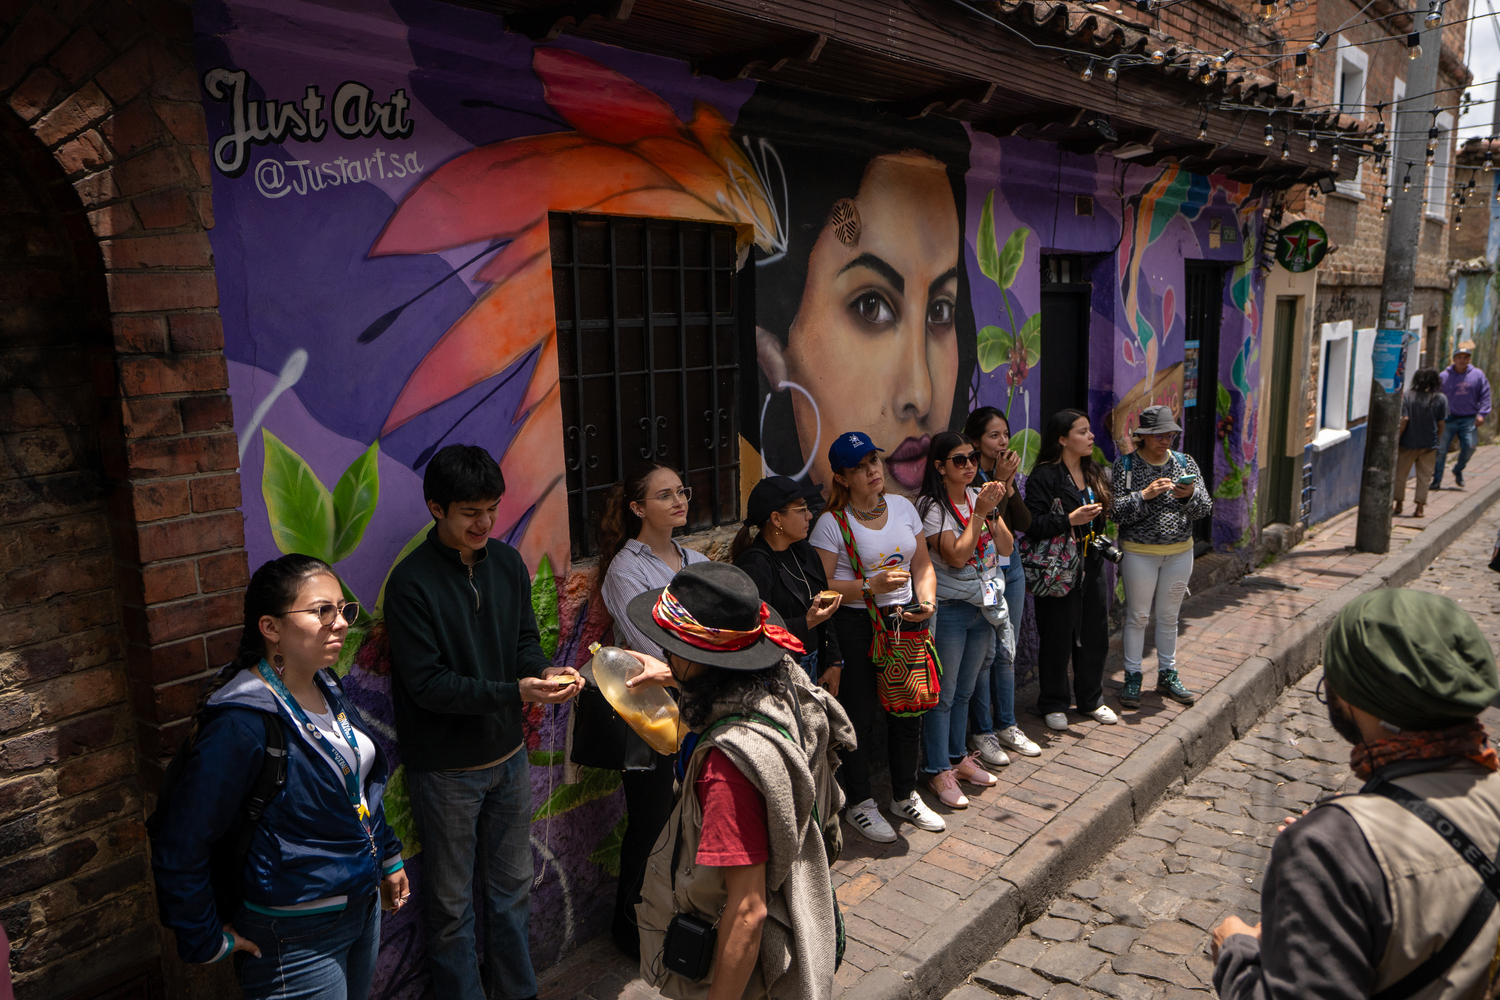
[(1468, 394)]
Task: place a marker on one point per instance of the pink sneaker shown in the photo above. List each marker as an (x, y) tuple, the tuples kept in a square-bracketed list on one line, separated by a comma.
[(969, 769), (945, 786)]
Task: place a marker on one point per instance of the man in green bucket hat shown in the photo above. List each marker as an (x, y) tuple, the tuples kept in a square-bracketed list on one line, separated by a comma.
[(1389, 893)]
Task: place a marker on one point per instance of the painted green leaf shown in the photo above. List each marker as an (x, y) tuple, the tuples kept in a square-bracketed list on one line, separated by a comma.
[(1232, 488), (1100, 460), (1026, 444), (544, 606), (354, 500), (406, 550), (607, 854), (989, 260), (544, 758), (1223, 401), (994, 348), (1031, 339), (593, 783), (398, 813), (1012, 256), (299, 506)]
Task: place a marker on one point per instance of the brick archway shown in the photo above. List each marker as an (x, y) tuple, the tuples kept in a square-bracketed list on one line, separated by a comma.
[(103, 123)]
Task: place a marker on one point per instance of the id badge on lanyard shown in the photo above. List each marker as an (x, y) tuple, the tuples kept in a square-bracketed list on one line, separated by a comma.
[(994, 589)]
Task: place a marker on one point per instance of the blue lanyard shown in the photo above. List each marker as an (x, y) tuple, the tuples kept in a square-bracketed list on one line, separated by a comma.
[(351, 775)]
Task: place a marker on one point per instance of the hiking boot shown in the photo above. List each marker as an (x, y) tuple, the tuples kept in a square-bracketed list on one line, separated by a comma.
[(944, 785), (987, 746), (1169, 684), (917, 812), (866, 818), (970, 770), (1130, 694)]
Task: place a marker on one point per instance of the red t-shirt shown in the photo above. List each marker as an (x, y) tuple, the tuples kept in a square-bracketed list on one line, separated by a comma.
[(734, 815)]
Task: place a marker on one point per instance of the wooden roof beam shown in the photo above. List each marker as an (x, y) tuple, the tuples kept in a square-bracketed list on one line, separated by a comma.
[(737, 65), (1002, 127), (976, 92)]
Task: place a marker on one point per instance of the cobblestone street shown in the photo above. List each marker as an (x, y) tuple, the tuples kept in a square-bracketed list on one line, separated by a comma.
[(1137, 927)]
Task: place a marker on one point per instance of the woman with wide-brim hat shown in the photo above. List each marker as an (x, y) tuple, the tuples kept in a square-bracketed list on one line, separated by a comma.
[(758, 792)]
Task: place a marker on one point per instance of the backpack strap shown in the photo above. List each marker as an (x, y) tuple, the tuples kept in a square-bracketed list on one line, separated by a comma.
[(268, 783), (1479, 912)]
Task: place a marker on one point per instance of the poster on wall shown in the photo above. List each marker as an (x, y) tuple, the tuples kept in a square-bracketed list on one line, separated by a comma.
[(384, 184)]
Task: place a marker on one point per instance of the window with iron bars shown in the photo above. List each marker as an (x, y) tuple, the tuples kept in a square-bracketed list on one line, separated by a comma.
[(648, 334)]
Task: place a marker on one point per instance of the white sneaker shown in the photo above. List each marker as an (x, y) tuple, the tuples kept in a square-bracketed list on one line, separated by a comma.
[(988, 749), (1057, 721), (915, 811), (866, 818), (1104, 715), (1015, 740)]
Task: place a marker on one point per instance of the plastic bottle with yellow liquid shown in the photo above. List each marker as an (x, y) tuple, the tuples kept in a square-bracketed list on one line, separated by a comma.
[(650, 711)]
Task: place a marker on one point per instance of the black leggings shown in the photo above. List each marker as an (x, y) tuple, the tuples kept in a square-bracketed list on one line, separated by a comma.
[(857, 693), (1077, 626), (648, 806)]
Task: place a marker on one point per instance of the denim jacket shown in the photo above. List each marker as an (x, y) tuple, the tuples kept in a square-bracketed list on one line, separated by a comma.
[(310, 849)]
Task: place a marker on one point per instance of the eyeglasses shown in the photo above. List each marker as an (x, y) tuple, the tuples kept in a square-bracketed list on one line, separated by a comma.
[(801, 508), (329, 613), (972, 458), (683, 493)]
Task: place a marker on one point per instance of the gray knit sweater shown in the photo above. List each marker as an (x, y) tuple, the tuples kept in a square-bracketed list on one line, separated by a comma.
[(1162, 520)]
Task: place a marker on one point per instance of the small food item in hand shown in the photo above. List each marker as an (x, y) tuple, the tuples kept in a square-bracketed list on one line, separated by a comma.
[(826, 597), (898, 575)]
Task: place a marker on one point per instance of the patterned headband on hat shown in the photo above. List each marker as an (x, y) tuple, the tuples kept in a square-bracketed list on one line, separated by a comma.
[(669, 613)]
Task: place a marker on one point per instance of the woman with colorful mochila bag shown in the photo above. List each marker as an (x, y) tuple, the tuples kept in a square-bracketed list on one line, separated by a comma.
[(1068, 496), (888, 596)]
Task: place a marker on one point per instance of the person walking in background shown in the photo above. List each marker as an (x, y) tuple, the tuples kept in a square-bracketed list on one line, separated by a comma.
[(993, 708), (1424, 411), (1068, 492), (465, 654), (887, 535), (1468, 395), (964, 538), (1159, 493), (788, 573), (322, 860), (1383, 893), (637, 554)]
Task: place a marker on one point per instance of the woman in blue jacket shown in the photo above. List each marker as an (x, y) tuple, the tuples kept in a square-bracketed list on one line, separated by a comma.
[(322, 860)]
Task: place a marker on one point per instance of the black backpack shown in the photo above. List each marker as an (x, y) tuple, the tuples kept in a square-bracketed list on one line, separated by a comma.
[(226, 856)]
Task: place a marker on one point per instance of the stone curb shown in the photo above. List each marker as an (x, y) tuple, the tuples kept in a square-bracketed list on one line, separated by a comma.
[(963, 939)]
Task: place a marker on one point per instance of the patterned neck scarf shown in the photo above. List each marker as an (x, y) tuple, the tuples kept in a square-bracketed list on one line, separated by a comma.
[(1467, 739), (672, 616)]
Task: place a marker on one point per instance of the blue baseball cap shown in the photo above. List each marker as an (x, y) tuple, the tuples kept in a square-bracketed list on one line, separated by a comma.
[(848, 448)]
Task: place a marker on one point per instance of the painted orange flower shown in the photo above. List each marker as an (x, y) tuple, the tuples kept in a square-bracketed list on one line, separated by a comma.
[(629, 154)]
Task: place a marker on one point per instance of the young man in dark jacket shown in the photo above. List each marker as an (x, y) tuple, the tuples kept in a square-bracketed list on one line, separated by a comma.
[(465, 653)]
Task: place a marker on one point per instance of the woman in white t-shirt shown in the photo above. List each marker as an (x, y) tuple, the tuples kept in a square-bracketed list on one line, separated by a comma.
[(967, 541), (888, 537)]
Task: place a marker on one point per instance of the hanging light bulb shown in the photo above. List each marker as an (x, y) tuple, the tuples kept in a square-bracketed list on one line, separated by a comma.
[(1497, 192), (1203, 130), (1334, 161), (1088, 72), (1301, 62), (1144, 6), (1406, 182), (1270, 135), (1414, 45), (1380, 162), (1458, 222), (1385, 206), (1286, 151), (1320, 39), (1207, 78), (1159, 56), (1110, 73), (1267, 10), (1434, 16), (1489, 157), (1312, 143), (1222, 60)]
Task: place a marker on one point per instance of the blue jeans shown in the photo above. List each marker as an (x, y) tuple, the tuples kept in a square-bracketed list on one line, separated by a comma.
[(994, 705), (327, 956), (963, 638), (461, 814), (1463, 429)]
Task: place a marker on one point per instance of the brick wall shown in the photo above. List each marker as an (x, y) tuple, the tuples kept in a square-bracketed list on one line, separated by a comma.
[(121, 552)]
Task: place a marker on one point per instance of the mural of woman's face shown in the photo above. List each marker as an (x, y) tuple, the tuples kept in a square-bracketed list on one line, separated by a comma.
[(874, 339)]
